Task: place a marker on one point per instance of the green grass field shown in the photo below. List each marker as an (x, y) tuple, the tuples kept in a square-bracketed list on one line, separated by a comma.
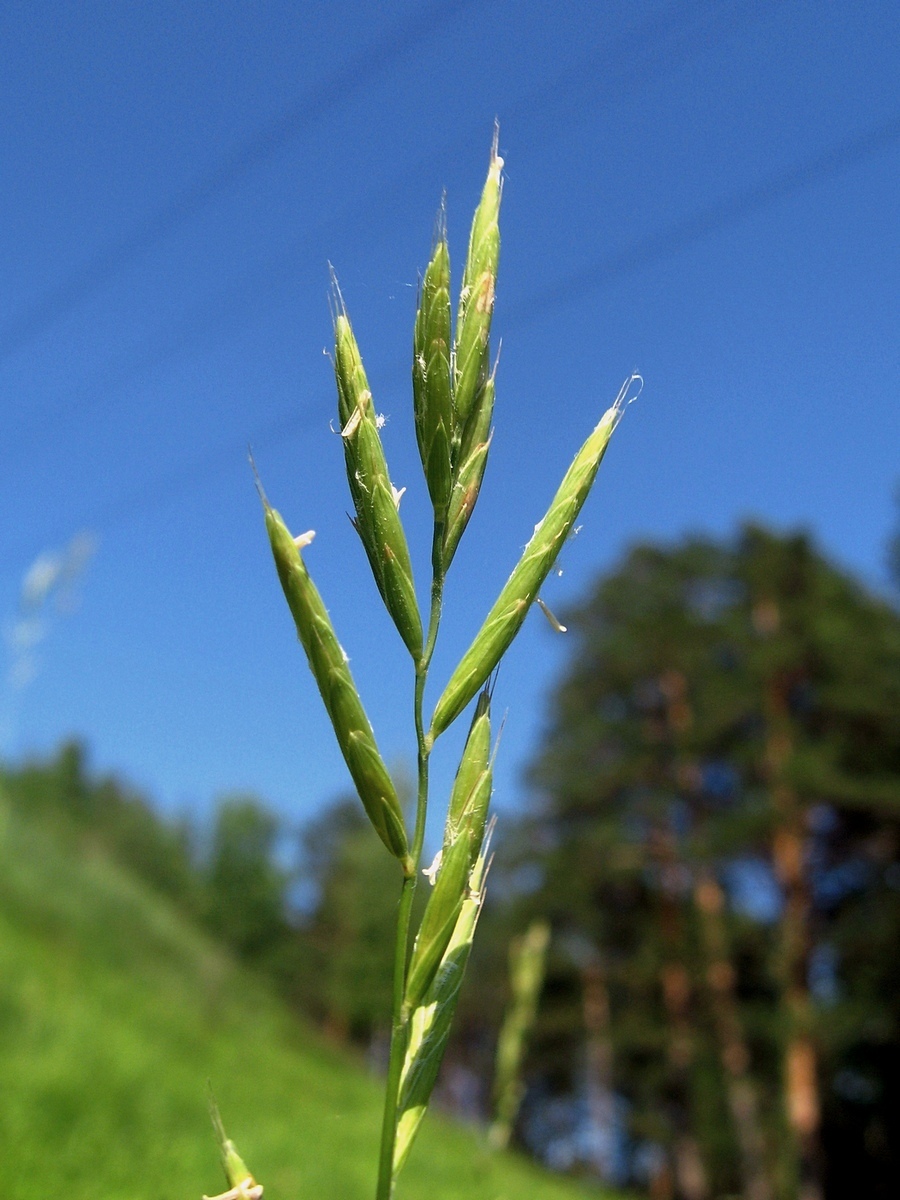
[(114, 1014)]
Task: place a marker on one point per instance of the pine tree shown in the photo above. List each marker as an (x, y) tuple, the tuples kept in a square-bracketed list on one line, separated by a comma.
[(730, 709)]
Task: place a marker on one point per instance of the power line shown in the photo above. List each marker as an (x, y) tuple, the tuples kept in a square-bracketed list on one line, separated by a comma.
[(660, 44), (315, 103), (663, 43), (728, 211), (182, 478), (641, 254)]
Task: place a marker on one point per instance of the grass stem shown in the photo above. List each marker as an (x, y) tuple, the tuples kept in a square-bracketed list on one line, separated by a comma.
[(407, 894)]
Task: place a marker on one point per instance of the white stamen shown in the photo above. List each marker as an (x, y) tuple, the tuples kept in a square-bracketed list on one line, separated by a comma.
[(550, 617), (430, 873), (302, 540), (352, 424)]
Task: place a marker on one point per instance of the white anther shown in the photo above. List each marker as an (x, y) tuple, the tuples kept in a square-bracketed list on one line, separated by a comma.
[(353, 423), (430, 873), (550, 617)]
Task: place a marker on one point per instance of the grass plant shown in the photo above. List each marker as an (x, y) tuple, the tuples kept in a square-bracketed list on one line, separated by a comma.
[(453, 386)]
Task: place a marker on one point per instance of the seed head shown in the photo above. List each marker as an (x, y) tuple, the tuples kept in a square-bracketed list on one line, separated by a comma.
[(476, 301), (241, 1183), (469, 470), (432, 403), (375, 498), (429, 1025), (471, 792), (439, 919), (331, 671), (505, 619)]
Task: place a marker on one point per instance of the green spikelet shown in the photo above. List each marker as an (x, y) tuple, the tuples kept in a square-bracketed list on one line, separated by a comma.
[(505, 618), (375, 499), (439, 919), (463, 837), (432, 402), (332, 674), (476, 302), (469, 470), (242, 1184), (471, 792), (429, 1026)]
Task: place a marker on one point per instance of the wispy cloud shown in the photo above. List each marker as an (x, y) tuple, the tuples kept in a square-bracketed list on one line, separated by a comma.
[(49, 591)]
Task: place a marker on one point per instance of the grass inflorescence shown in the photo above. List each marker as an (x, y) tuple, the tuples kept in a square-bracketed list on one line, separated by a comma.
[(453, 388)]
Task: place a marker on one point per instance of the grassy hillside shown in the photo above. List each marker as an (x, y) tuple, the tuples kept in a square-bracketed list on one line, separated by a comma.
[(114, 1013)]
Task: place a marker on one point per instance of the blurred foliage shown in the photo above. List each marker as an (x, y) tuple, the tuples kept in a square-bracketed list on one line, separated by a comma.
[(730, 714), (714, 836), (115, 1011), (243, 886), (240, 878), (349, 928), (106, 813)]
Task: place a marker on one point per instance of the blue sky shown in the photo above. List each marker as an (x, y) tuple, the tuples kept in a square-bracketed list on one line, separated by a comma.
[(707, 192)]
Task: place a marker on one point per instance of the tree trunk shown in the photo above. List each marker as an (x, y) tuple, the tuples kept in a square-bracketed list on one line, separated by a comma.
[(599, 1055), (733, 1054), (800, 1068), (690, 1173)]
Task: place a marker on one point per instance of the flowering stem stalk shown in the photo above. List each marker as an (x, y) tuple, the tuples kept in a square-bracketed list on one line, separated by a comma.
[(404, 913)]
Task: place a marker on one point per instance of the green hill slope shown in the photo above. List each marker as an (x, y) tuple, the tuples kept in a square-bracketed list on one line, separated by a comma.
[(114, 1013)]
